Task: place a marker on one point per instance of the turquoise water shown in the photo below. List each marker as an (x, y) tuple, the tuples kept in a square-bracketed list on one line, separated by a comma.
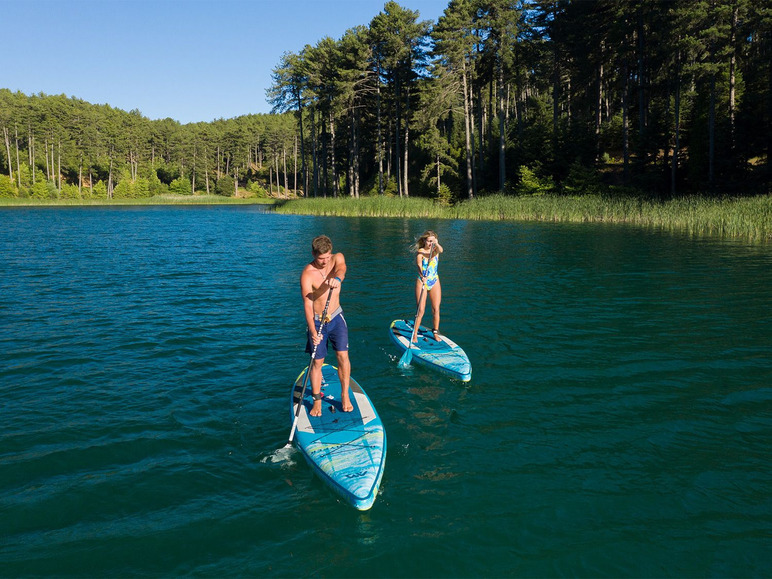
[(618, 421)]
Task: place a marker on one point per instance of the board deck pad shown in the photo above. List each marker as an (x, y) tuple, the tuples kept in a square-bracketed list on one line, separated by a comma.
[(347, 450), (445, 355)]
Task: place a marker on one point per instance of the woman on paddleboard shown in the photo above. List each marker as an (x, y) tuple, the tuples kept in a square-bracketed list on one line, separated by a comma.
[(428, 250)]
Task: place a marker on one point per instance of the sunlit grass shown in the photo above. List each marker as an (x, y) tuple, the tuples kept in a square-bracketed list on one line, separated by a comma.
[(375, 206), (749, 218), (167, 199)]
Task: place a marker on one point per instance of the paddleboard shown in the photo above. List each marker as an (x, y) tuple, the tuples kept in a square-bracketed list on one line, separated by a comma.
[(445, 355), (347, 450)]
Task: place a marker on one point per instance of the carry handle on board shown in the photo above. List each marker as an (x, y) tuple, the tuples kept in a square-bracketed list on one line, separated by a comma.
[(407, 357), (308, 371)]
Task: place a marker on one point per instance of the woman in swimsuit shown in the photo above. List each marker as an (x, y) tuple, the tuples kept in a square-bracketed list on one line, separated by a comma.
[(428, 250)]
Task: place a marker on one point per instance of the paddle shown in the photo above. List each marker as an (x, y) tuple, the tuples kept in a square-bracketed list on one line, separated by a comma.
[(308, 371), (407, 357)]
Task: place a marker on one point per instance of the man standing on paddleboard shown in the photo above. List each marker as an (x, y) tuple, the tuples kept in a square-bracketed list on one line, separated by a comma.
[(322, 276)]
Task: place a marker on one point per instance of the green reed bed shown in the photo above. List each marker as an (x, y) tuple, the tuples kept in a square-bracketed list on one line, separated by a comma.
[(376, 206), (749, 218)]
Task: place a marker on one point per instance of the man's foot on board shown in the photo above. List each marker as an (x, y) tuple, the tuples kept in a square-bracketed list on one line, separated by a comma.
[(437, 336), (316, 409), (346, 404)]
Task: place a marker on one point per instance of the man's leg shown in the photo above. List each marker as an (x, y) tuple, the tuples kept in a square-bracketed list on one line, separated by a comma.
[(316, 385), (344, 373)]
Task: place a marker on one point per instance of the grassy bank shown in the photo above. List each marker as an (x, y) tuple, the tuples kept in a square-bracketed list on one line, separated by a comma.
[(155, 200), (743, 218), (749, 218)]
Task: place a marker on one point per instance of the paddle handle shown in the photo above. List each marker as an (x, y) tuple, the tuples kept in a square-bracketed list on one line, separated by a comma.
[(308, 371)]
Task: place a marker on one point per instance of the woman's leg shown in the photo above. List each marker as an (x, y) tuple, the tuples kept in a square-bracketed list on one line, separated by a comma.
[(420, 298), (435, 295)]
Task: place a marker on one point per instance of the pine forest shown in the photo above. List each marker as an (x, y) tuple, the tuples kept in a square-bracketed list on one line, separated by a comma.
[(661, 99)]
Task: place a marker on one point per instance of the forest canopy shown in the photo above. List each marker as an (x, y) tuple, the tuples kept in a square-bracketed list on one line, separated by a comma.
[(527, 97)]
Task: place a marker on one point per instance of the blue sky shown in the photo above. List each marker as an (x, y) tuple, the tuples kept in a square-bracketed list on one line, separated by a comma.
[(190, 60)]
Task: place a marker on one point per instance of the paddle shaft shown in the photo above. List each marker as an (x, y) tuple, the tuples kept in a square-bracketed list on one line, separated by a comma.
[(305, 378)]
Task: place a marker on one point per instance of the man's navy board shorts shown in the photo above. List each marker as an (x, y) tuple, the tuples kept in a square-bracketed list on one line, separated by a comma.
[(335, 331)]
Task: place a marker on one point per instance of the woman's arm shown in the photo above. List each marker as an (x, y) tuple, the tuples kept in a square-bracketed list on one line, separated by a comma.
[(419, 263), (432, 240)]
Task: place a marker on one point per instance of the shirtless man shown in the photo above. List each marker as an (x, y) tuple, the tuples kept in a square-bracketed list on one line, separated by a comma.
[(324, 273)]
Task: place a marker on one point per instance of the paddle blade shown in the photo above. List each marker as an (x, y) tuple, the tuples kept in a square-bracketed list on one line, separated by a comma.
[(406, 358), (284, 456)]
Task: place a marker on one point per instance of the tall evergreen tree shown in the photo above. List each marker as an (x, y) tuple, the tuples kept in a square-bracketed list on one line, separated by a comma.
[(454, 47), (398, 43)]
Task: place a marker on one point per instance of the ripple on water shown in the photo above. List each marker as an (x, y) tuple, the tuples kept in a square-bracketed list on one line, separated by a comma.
[(617, 422)]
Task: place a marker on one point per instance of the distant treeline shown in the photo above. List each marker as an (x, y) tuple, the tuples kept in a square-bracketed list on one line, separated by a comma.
[(669, 98)]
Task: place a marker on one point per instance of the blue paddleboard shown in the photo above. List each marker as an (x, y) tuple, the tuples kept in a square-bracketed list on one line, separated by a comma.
[(445, 356), (347, 450)]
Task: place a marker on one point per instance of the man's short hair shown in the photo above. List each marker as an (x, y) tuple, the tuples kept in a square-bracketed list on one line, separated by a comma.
[(321, 245)]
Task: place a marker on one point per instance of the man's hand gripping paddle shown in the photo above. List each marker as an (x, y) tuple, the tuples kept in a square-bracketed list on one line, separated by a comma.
[(407, 357), (308, 371)]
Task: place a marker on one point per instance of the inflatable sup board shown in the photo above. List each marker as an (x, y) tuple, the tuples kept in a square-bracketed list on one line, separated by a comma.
[(445, 355), (347, 450)]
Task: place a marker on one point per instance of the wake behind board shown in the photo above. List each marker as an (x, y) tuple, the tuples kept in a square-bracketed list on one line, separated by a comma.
[(445, 356), (347, 450)]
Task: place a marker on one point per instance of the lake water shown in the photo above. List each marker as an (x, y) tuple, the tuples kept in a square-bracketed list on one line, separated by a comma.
[(618, 421)]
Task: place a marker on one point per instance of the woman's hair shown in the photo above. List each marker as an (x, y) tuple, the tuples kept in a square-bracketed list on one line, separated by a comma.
[(321, 245), (421, 243)]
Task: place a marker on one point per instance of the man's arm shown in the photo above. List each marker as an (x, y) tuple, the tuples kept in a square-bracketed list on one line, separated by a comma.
[(338, 270), (307, 293)]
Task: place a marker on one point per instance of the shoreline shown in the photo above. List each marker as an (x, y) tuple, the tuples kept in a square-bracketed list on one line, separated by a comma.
[(156, 200), (744, 218)]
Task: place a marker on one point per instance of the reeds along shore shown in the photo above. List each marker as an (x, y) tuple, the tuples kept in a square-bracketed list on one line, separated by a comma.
[(749, 218)]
